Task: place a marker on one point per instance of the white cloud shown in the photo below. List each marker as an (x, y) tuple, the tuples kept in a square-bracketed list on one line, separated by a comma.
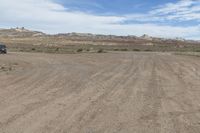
[(47, 14), (52, 17), (173, 7), (184, 10)]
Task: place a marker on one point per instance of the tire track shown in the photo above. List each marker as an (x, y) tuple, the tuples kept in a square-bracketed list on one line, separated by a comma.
[(115, 92)]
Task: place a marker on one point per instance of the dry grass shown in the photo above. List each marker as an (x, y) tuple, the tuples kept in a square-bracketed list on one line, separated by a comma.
[(52, 44), (197, 54)]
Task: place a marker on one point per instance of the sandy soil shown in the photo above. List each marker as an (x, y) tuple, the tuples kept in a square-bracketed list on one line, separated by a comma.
[(99, 93)]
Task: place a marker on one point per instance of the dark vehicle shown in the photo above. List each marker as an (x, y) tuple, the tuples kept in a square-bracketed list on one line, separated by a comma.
[(3, 49)]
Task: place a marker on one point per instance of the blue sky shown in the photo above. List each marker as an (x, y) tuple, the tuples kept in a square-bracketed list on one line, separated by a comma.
[(118, 7), (160, 18)]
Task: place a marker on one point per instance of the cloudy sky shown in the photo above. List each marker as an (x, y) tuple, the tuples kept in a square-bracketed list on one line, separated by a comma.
[(162, 18)]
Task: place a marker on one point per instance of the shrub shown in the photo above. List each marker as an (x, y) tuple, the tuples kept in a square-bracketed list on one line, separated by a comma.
[(57, 49), (116, 49), (148, 50), (33, 49), (79, 50), (198, 50), (100, 51), (124, 49), (136, 49)]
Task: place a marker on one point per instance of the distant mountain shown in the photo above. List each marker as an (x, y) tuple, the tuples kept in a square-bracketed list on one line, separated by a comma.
[(19, 32), (25, 36)]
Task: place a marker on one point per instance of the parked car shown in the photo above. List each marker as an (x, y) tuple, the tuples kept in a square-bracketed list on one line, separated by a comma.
[(3, 49)]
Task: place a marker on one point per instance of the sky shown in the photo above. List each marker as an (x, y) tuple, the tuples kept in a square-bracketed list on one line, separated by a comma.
[(159, 18)]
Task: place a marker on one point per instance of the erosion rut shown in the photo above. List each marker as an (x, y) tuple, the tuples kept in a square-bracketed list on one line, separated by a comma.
[(99, 93)]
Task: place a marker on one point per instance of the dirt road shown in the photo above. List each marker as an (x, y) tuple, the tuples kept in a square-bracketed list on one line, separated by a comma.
[(99, 93)]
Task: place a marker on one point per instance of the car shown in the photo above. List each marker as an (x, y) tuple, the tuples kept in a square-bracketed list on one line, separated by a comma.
[(3, 49)]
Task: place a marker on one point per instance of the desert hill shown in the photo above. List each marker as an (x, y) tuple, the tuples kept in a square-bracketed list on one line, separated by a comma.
[(19, 32), (21, 37)]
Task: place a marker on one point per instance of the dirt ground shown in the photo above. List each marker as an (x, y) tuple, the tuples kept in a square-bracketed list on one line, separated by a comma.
[(99, 93)]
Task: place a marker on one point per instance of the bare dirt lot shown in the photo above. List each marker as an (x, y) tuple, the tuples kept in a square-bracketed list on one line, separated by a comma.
[(99, 93)]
